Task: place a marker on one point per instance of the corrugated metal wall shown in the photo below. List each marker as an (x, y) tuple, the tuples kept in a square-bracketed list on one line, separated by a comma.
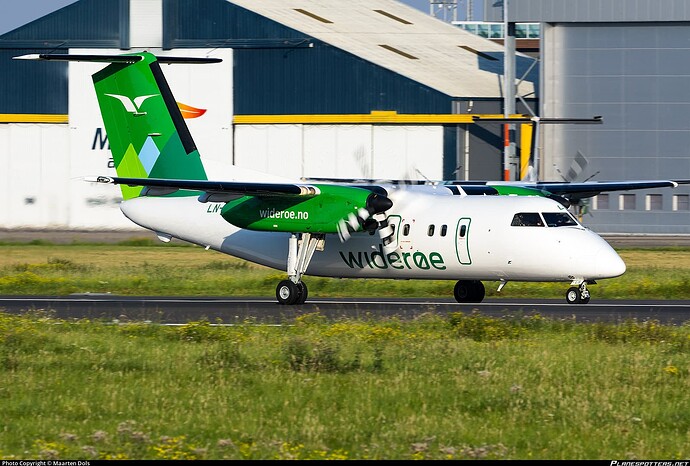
[(87, 23), (41, 88), (325, 80), (32, 87), (217, 23), (636, 76), (589, 10)]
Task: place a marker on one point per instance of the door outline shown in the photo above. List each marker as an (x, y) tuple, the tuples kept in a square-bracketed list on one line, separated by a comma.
[(404, 242), (396, 221), (462, 245)]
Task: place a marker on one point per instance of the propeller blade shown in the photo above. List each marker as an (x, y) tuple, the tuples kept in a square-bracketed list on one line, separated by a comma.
[(386, 233), (343, 232), (370, 218), (352, 221)]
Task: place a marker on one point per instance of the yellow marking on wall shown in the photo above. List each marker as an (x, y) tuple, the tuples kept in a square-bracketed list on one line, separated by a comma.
[(32, 118), (381, 117)]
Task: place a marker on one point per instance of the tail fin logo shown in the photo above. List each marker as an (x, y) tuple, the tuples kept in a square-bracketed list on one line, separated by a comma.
[(189, 112), (132, 106)]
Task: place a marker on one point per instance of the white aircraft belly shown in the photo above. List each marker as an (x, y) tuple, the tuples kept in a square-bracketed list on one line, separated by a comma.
[(190, 220)]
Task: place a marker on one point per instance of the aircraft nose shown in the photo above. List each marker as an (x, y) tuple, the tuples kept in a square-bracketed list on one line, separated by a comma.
[(609, 263)]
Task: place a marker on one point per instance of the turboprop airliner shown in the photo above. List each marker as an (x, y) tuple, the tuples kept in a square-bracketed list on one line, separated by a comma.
[(467, 232)]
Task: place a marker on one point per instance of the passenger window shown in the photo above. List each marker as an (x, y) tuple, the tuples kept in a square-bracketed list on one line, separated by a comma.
[(406, 229), (444, 230), (430, 232), (559, 219), (463, 231), (527, 219)]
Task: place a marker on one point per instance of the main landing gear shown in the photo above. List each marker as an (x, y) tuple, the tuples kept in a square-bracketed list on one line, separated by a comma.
[(469, 291), (288, 292), (300, 252), (578, 294)]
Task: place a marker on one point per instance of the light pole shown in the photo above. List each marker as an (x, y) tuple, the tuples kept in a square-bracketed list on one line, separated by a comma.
[(509, 92)]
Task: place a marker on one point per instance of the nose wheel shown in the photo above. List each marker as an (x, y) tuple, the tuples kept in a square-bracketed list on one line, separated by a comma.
[(578, 294)]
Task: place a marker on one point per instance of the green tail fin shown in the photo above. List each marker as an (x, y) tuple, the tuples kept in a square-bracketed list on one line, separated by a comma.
[(147, 133)]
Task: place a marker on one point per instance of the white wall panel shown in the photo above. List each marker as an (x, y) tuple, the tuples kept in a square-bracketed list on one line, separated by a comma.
[(408, 152), (35, 175), (348, 151), (146, 23), (338, 151), (274, 149)]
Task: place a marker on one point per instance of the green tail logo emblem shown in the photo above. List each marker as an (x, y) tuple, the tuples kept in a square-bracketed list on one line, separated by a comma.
[(132, 106)]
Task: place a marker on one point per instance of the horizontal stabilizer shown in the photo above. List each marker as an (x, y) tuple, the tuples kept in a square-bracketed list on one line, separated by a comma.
[(133, 58)]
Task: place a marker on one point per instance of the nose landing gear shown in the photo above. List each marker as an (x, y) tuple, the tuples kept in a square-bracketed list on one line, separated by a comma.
[(578, 294)]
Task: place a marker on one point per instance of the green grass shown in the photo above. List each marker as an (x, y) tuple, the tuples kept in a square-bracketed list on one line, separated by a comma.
[(140, 268), (456, 387)]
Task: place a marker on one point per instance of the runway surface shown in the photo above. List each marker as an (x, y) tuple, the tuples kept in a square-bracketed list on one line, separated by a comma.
[(179, 310)]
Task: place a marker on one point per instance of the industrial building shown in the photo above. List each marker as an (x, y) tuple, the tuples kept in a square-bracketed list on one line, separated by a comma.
[(357, 89), (630, 63), (306, 88)]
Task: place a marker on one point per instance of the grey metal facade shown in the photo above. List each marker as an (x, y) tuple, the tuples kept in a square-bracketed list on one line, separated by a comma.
[(628, 61), (636, 76), (588, 11)]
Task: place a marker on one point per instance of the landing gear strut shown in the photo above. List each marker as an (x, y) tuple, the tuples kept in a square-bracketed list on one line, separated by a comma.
[(469, 291), (578, 294), (300, 252)]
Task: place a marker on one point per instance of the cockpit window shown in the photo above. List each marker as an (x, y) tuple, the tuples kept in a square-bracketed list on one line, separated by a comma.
[(559, 219), (527, 219)]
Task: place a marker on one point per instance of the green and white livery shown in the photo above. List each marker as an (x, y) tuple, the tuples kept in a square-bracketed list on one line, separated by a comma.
[(468, 232)]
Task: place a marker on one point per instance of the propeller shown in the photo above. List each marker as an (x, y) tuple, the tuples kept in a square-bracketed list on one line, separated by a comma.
[(373, 216), (370, 218), (575, 172)]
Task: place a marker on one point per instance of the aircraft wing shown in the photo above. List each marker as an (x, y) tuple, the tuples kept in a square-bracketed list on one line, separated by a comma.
[(554, 187), (214, 190), (222, 190), (577, 191)]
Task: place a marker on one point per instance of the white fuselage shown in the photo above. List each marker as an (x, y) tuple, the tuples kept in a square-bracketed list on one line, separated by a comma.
[(437, 236)]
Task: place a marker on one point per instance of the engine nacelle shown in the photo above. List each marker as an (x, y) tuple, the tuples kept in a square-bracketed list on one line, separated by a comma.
[(319, 213)]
